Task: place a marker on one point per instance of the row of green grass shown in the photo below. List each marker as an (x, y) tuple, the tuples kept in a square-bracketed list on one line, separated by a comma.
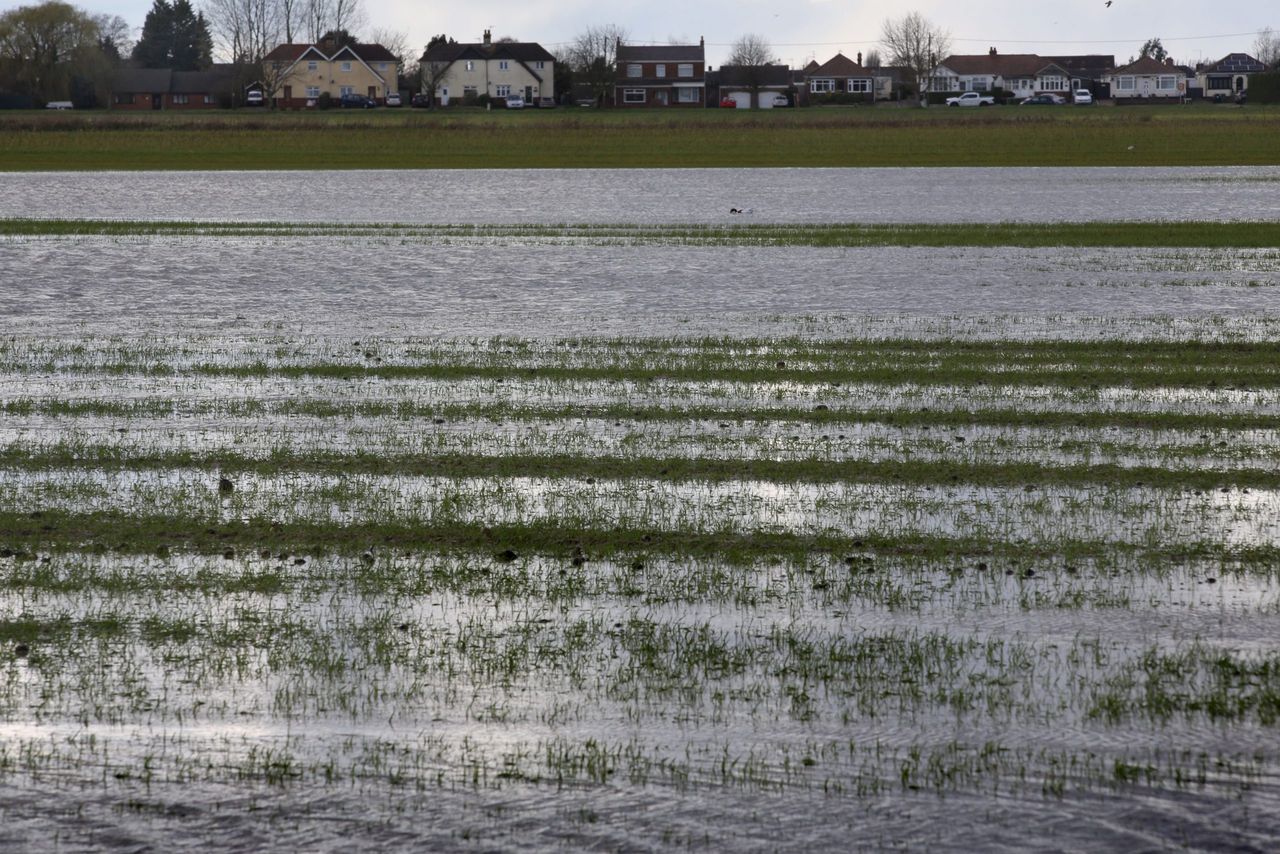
[(457, 465), (1125, 234), (650, 139), (1206, 422)]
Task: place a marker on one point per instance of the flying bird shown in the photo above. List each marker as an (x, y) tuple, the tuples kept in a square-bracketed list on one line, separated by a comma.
[(1107, 4)]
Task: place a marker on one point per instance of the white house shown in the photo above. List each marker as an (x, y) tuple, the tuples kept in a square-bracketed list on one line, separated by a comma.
[(1228, 76), (1023, 74), (461, 73), (1148, 78)]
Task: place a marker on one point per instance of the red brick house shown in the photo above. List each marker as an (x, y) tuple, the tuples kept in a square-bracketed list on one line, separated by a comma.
[(163, 89), (661, 75)]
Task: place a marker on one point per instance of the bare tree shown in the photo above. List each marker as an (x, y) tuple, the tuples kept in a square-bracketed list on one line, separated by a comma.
[(244, 31), (916, 43), (396, 41), (1266, 48), (751, 49), (872, 59), (747, 64), (594, 56)]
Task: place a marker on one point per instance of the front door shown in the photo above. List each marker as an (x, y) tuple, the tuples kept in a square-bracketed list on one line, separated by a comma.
[(373, 91), (288, 94), (528, 95), (156, 101), (660, 97)]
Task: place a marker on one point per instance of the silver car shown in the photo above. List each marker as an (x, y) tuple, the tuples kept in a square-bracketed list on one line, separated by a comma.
[(1082, 96)]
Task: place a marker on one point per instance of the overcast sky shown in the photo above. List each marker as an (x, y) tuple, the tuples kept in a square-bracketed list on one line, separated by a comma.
[(800, 30)]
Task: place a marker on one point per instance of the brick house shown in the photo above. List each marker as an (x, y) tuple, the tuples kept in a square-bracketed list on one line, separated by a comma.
[(163, 89), (661, 75)]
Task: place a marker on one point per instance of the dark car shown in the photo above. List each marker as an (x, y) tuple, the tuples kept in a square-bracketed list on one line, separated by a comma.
[(1045, 99), (351, 99), (422, 99)]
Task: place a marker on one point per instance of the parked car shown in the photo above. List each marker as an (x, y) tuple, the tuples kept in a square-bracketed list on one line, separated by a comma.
[(351, 99), (1082, 96), (393, 99), (779, 99), (1045, 98), (253, 98), (515, 102), (421, 99), (971, 99), (59, 105), (728, 103)]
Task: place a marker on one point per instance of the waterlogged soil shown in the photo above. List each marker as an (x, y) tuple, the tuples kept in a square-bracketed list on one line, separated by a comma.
[(1063, 194), (483, 288), (1043, 616)]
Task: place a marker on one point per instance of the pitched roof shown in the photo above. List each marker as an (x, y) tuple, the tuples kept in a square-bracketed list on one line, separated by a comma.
[(760, 75), (1145, 65), (141, 79), (840, 66), (1237, 63), (518, 51), (290, 53), (1002, 64), (218, 78), (661, 53), (1087, 65)]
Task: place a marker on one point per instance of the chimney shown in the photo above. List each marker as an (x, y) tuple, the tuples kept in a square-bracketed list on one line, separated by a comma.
[(859, 57), (488, 37), (991, 52), (701, 43), (1168, 60)]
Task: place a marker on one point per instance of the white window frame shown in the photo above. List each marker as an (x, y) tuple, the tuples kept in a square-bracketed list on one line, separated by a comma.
[(822, 85), (635, 69), (1166, 83), (313, 91), (688, 95), (858, 85), (312, 65), (684, 69), (634, 96), (209, 99), (502, 90), (659, 70), (181, 99), (503, 65), (1126, 84), (346, 90), (471, 65), (539, 64)]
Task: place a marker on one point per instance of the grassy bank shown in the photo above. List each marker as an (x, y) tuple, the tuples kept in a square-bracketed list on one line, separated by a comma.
[(576, 138), (1217, 235)]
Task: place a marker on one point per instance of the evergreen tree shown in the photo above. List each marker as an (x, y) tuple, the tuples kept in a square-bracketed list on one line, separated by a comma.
[(174, 36)]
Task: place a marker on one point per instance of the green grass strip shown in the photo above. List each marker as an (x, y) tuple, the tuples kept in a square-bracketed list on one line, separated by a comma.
[(1239, 235), (23, 535), (1208, 423), (920, 472)]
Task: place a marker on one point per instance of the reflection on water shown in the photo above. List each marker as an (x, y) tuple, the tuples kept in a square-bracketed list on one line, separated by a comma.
[(656, 195)]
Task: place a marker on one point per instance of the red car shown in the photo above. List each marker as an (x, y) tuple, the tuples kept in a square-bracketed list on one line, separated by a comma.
[(729, 102)]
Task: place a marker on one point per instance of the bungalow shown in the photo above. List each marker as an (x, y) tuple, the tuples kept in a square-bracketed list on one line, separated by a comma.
[(163, 89), (464, 72), (840, 75), (296, 75), (1228, 76), (661, 75), (1148, 78), (1023, 74)]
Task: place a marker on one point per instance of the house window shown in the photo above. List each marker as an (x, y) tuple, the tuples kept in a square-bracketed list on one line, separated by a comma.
[(313, 91), (660, 70), (346, 66), (1219, 83), (822, 84), (179, 99), (859, 86), (634, 71), (1166, 83), (1053, 84), (1124, 84), (382, 66), (503, 91), (312, 65), (209, 99), (346, 90), (685, 69), (539, 65), (633, 96), (471, 65), (688, 95), (502, 65)]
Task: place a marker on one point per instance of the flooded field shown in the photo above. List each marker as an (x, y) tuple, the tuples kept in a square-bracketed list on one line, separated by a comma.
[(437, 544)]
